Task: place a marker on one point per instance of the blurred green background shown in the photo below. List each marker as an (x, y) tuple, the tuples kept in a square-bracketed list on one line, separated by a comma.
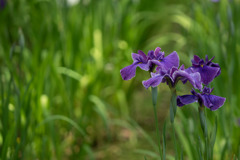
[(61, 93)]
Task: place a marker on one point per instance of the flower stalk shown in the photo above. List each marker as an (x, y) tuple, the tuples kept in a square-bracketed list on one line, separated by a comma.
[(202, 120), (173, 105), (203, 123), (154, 100)]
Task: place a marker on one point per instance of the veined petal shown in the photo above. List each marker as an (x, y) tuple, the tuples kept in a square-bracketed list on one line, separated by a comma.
[(158, 63), (172, 60), (128, 72), (207, 73), (186, 99), (144, 66), (195, 60), (138, 58), (181, 67), (142, 54), (189, 70), (193, 78), (217, 66), (153, 82), (213, 102), (150, 54)]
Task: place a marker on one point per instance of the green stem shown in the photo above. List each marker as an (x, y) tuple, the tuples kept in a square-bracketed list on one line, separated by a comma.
[(204, 128), (203, 120), (154, 100), (173, 105), (173, 110), (175, 142)]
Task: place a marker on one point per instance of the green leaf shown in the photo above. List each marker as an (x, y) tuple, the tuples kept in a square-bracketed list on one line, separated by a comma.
[(175, 142), (203, 121), (101, 109), (164, 141), (213, 137), (66, 119), (147, 152), (70, 73)]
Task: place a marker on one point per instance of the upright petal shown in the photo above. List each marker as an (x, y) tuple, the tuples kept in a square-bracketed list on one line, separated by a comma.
[(159, 55), (195, 60), (142, 54), (213, 102), (139, 58), (150, 54), (186, 99), (172, 60), (153, 82), (156, 52), (128, 72)]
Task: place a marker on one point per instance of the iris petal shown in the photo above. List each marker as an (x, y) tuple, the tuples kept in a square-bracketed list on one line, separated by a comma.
[(186, 99), (172, 60), (193, 78), (153, 82), (128, 72), (207, 73), (213, 102)]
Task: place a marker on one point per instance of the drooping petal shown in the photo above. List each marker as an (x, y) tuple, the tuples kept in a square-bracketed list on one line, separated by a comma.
[(186, 99), (193, 78), (172, 60), (144, 66), (213, 102), (128, 72), (158, 63), (189, 70), (217, 66), (153, 82), (197, 80), (207, 73)]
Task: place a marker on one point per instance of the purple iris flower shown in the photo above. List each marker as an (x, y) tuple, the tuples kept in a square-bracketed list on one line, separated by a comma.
[(207, 69), (210, 101), (148, 62), (172, 76)]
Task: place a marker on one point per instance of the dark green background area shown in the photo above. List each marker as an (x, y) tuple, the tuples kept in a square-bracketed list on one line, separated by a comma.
[(61, 93)]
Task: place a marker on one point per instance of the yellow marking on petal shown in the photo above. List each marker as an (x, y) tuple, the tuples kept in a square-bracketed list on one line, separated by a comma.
[(202, 65), (160, 60), (140, 63)]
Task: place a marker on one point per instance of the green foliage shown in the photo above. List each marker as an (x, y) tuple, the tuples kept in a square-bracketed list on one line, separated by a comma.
[(61, 94)]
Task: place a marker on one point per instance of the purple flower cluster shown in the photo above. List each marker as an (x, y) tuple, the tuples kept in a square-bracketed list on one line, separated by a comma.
[(166, 69), (149, 61), (208, 71)]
